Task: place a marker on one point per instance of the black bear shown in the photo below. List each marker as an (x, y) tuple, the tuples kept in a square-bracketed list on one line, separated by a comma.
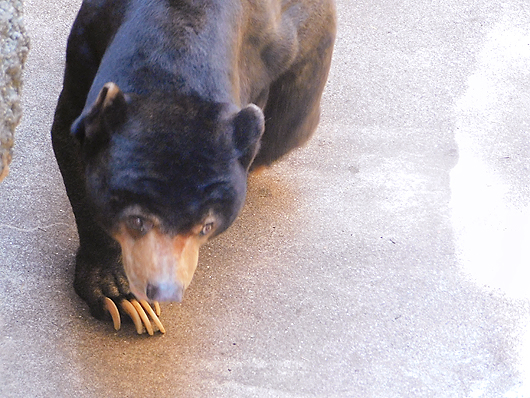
[(166, 107)]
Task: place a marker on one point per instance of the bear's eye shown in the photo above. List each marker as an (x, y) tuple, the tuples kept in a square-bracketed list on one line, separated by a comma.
[(139, 225), (207, 228)]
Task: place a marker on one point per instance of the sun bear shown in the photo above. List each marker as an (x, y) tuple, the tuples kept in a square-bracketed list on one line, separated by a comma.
[(166, 107)]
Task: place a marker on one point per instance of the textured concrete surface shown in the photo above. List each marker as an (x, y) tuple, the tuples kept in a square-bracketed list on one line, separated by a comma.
[(388, 258), (14, 47)]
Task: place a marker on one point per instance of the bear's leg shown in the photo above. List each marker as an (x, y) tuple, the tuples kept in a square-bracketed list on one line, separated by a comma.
[(293, 106), (100, 279)]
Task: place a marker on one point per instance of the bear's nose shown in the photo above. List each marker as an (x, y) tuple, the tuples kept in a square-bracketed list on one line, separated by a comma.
[(165, 291)]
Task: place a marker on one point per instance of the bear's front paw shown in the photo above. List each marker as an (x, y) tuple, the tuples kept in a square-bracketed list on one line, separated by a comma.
[(104, 287)]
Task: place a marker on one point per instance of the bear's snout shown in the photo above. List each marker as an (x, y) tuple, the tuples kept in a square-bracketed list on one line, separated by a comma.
[(159, 266), (165, 291)]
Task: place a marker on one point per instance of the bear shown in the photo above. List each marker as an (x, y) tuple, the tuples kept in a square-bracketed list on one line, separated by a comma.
[(166, 107)]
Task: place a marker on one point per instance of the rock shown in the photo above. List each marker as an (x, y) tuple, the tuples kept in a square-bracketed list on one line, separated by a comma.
[(14, 47)]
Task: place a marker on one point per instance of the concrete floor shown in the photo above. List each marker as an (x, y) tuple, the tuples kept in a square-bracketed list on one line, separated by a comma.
[(388, 258)]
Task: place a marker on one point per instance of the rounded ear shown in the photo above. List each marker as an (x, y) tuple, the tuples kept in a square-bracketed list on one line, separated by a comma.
[(108, 111), (249, 125)]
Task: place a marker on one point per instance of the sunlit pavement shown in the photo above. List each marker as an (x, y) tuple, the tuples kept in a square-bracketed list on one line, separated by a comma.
[(388, 258)]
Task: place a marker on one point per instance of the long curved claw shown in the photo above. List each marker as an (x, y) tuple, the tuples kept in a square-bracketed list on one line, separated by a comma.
[(157, 308), (114, 313), (153, 314), (143, 316), (131, 311), (138, 311)]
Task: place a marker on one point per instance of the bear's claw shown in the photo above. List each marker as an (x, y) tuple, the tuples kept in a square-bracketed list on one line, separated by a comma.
[(138, 312), (114, 313), (153, 314)]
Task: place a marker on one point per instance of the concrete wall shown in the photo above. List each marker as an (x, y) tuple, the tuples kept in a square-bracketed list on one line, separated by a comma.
[(14, 47)]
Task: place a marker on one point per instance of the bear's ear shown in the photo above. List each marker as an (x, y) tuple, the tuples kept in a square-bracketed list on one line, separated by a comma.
[(249, 124), (108, 111)]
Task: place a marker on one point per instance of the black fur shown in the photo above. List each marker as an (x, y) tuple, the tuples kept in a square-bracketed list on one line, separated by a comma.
[(179, 137)]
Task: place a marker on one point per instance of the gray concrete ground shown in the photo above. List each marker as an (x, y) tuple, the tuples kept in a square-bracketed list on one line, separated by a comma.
[(388, 258)]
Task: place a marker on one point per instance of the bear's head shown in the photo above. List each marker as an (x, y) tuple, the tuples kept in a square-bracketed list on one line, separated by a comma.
[(164, 174)]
